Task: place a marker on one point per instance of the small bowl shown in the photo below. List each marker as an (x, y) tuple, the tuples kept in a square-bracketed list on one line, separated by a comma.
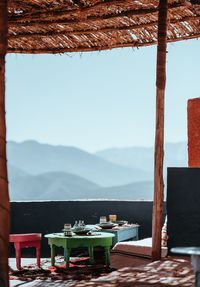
[(106, 225), (120, 222), (81, 231)]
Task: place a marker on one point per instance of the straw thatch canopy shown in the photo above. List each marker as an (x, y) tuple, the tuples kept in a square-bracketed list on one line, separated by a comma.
[(57, 26)]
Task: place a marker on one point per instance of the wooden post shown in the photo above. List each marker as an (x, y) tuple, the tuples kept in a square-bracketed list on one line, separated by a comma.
[(4, 196), (159, 136)]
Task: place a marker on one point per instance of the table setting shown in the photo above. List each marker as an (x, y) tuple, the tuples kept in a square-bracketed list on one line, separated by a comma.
[(113, 223), (80, 228), (103, 234)]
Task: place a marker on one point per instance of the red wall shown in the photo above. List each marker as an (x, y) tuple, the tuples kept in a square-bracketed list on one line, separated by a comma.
[(194, 132)]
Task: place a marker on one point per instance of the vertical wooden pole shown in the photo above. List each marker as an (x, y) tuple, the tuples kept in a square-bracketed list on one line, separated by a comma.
[(159, 136), (4, 196)]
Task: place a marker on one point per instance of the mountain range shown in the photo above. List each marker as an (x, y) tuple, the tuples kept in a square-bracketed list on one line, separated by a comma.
[(45, 172), (35, 158), (143, 157)]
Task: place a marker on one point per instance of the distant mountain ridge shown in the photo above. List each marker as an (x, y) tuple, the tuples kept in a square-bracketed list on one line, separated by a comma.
[(35, 158), (63, 186), (44, 172), (143, 157), (49, 186), (135, 191)]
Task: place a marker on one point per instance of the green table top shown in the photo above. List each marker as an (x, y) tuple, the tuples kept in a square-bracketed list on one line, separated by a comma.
[(96, 236)]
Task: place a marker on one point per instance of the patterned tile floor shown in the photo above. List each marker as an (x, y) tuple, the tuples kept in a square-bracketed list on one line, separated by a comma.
[(52, 276), (170, 272)]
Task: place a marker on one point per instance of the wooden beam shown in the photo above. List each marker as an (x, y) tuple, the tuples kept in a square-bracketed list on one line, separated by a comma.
[(159, 135), (4, 196), (68, 8), (60, 17), (79, 49), (30, 6)]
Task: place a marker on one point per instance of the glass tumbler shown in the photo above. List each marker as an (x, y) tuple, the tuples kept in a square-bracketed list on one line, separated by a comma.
[(102, 219)]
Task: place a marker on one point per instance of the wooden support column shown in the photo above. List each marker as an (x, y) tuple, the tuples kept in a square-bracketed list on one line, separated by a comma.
[(159, 135), (4, 196)]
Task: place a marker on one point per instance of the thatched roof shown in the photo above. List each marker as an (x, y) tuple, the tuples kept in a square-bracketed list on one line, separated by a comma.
[(58, 26)]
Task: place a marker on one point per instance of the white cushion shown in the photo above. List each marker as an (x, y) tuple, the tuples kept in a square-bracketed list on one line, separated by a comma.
[(140, 247)]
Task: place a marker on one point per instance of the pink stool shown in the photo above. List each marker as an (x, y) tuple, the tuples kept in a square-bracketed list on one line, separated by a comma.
[(25, 241)]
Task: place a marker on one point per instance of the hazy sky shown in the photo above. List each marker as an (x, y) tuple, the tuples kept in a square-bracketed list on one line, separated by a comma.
[(99, 100)]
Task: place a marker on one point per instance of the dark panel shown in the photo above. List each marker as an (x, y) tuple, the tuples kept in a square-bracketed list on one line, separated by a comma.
[(48, 217), (183, 206)]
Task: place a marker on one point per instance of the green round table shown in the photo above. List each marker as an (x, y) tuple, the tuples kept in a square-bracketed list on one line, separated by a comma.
[(102, 239)]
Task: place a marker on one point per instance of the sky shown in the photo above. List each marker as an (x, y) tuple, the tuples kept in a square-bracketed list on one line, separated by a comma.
[(99, 100)]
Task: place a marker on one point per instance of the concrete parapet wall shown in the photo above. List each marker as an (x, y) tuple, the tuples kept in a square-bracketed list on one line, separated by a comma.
[(49, 216)]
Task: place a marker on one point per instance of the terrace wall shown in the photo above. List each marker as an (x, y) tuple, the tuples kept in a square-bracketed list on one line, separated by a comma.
[(50, 216)]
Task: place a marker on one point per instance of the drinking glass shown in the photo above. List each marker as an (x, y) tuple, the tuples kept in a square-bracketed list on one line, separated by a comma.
[(113, 217), (81, 223), (102, 219), (67, 226)]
